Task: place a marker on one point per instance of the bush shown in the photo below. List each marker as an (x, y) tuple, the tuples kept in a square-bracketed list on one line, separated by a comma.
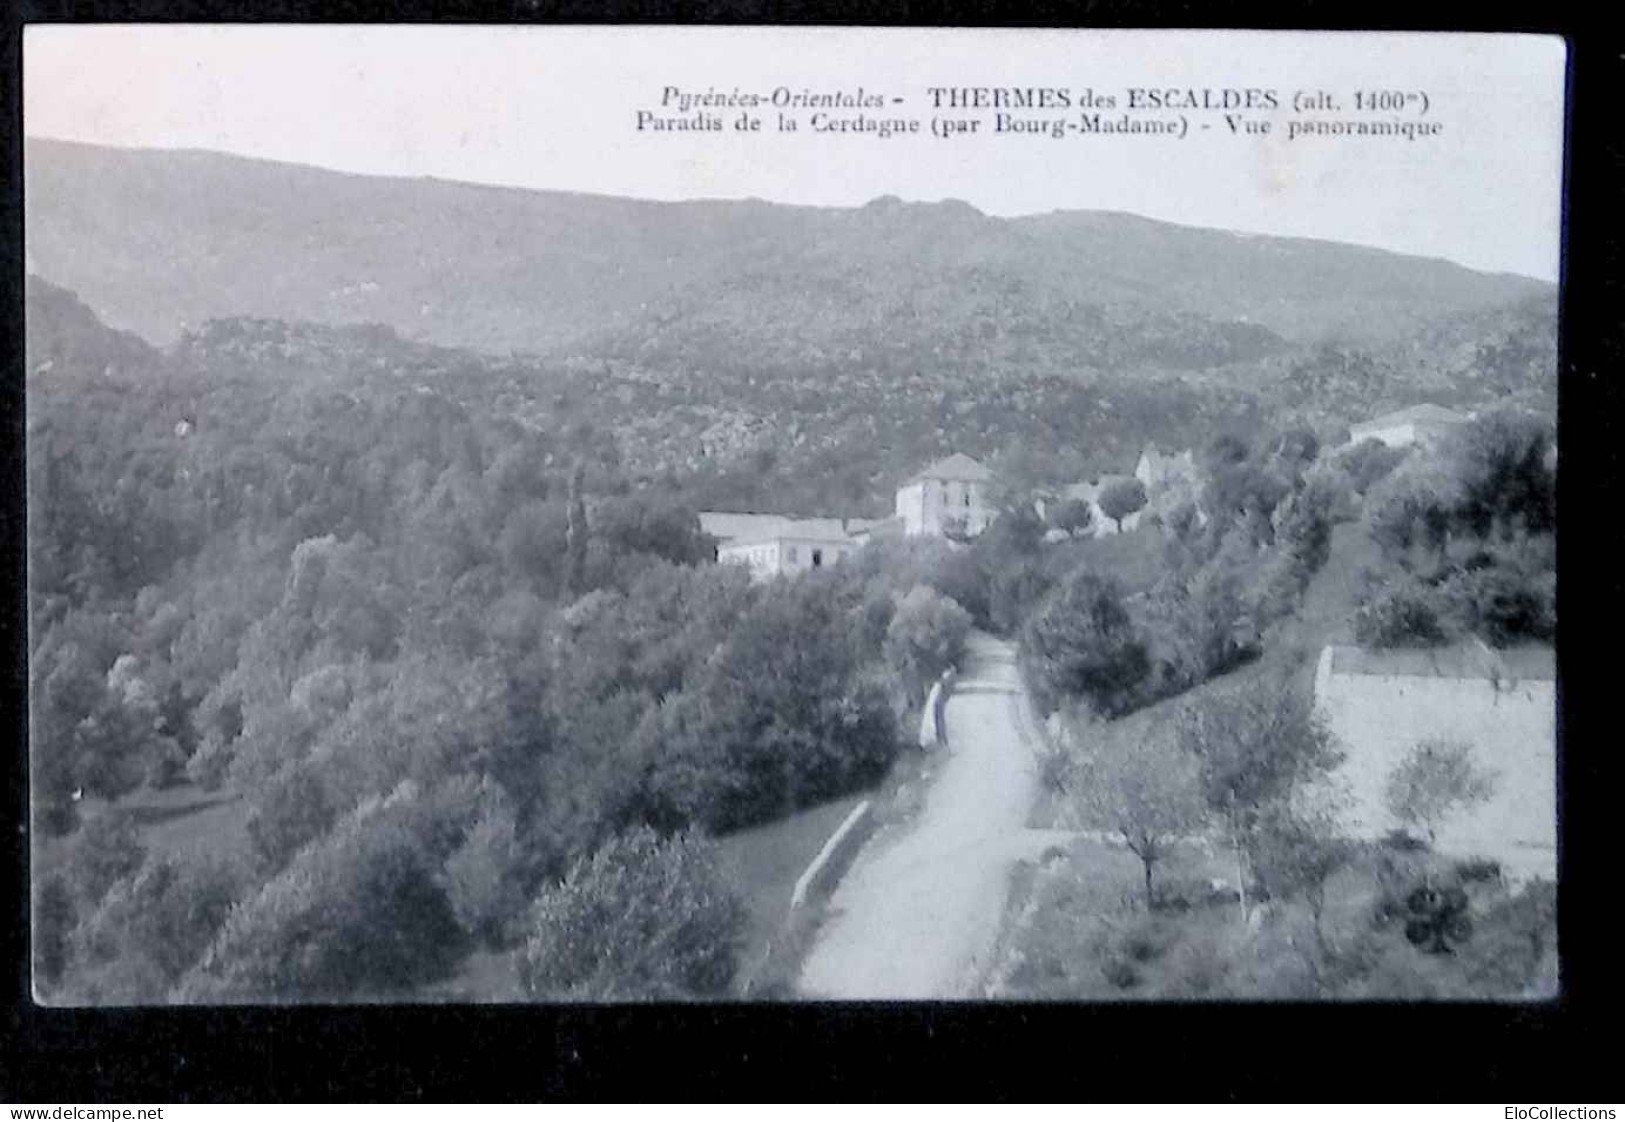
[(165, 915), (641, 919), (1510, 942), (54, 919), (1369, 462), (1400, 615), (1084, 645), (483, 877), (1478, 870), (106, 851), (925, 637), (1502, 605), (1435, 780), (292, 810), (357, 914)]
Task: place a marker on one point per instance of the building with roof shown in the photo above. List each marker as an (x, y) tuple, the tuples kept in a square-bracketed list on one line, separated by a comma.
[(1380, 704), (1156, 471), (1417, 424), (949, 497), (793, 546)]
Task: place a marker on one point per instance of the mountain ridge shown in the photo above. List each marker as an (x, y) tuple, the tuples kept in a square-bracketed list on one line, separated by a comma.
[(160, 240)]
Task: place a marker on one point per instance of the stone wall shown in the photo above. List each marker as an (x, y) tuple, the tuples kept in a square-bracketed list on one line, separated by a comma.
[(1511, 725)]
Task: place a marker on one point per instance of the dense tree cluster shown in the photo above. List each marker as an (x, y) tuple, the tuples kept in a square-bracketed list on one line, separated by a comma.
[(1469, 531), (439, 656)]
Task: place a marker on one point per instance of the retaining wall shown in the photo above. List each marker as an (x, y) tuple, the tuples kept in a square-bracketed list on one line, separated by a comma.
[(1511, 724)]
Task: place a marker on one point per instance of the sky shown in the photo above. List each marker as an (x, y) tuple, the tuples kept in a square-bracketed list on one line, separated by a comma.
[(556, 108)]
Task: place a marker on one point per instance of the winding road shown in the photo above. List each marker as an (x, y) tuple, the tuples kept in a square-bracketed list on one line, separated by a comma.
[(919, 912)]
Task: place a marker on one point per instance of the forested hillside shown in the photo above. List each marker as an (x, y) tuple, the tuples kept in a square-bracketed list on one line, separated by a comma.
[(436, 654), (365, 509)]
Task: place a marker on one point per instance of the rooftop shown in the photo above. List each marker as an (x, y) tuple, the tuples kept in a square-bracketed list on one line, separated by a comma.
[(958, 468), (727, 525), (800, 529), (1416, 414)]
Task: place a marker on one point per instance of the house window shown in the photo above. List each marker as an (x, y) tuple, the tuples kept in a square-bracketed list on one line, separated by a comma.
[(967, 498), (818, 558), (790, 553)]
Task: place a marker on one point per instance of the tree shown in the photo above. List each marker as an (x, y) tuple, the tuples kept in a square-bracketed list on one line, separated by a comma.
[(54, 919), (1414, 509), (159, 920), (1301, 847), (1404, 613), (1122, 498), (106, 850), (1075, 516), (1506, 479), (1436, 780), (357, 913), (925, 637), (1085, 645), (643, 918), (1369, 462), (1149, 791), (291, 809), (483, 876), (1256, 745), (576, 533)]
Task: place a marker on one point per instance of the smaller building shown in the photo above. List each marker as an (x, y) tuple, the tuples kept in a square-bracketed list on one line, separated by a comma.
[(795, 546), (949, 497), (1417, 424), (1156, 471)]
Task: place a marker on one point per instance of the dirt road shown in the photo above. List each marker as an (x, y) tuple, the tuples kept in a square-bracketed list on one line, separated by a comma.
[(918, 914)]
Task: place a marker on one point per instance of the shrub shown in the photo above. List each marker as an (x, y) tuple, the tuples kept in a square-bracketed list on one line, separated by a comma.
[(292, 809), (54, 919), (483, 876), (1085, 645), (359, 913), (1370, 461), (642, 918), (1400, 615), (106, 851), (1200, 969), (925, 637), (165, 914), (1120, 499), (1071, 515), (1478, 870), (1510, 942), (1120, 972), (1502, 605), (166, 763), (1435, 780)]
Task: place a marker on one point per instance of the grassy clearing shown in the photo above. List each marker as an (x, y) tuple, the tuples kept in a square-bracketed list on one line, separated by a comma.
[(767, 860), (182, 822), (1087, 936)]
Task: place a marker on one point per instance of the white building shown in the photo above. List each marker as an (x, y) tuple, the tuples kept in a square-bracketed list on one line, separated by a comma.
[(1417, 424), (792, 546), (949, 496), (727, 526), (1156, 471)]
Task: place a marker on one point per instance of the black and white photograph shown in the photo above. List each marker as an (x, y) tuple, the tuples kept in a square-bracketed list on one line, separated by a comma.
[(639, 514)]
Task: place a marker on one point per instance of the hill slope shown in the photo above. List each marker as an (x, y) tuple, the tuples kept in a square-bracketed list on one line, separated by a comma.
[(159, 240)]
